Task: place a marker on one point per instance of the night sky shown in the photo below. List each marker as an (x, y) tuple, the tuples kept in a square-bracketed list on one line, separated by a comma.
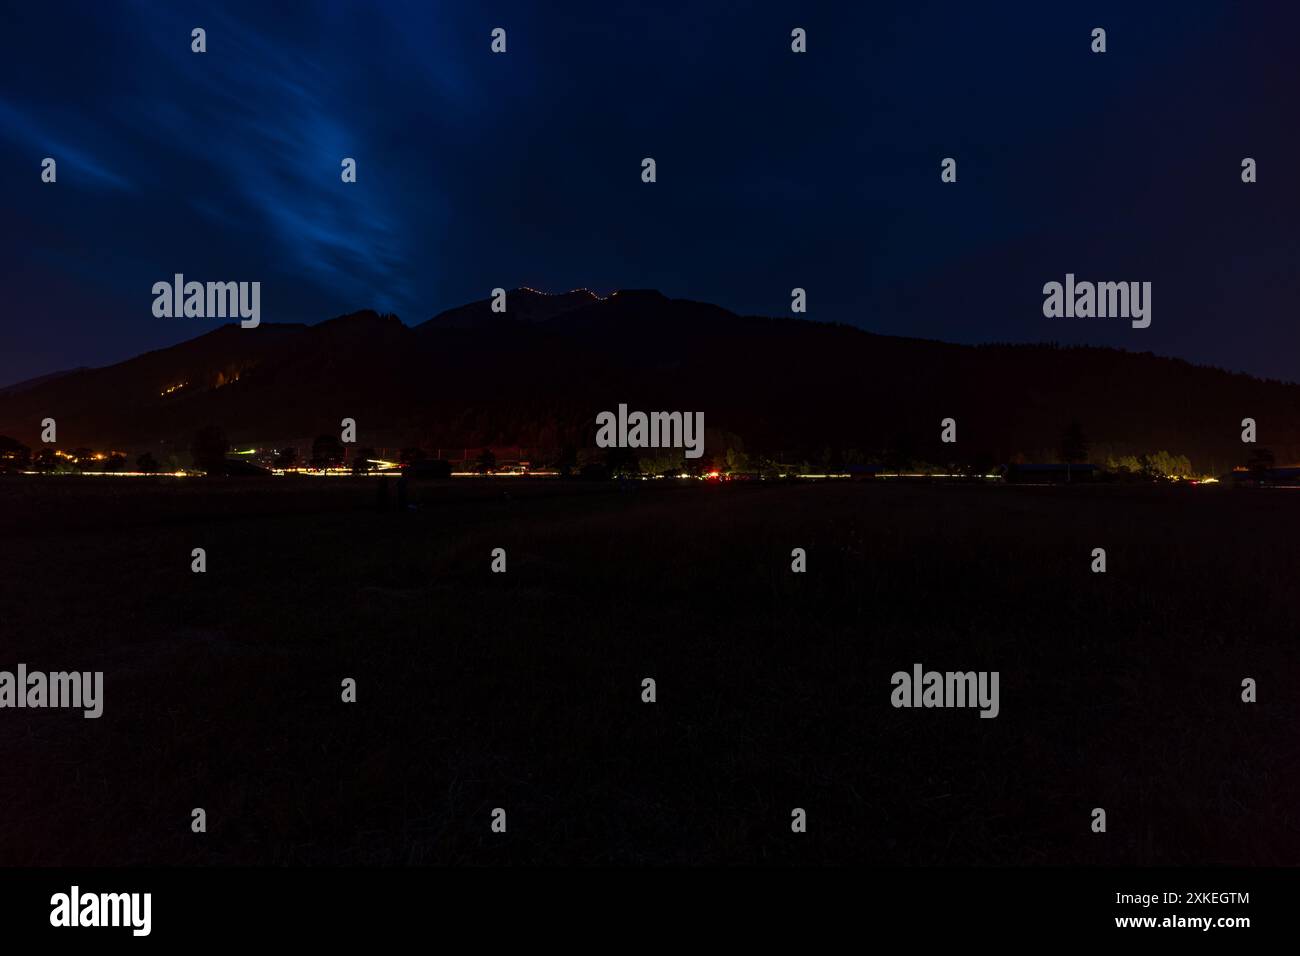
[(775, 170)]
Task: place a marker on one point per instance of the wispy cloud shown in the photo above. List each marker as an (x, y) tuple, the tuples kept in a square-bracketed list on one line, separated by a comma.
[(271, 139), (76, 166)]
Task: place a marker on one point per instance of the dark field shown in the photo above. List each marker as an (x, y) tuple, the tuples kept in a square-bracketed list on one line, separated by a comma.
[(480, 690)]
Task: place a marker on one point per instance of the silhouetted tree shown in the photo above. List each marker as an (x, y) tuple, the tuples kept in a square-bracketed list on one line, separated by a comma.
[(979, 464), (486, 461), (115, 462), (1261, 460), (737, 460), (622, 462), (361, 460), (664, 461), (830, 460), (1074, 445), (567, 461), (46, 460), (768, 466), (326, 452), (1161, 464), (901, 453), (209, 449), (146, 463), (698, 466), (1125, 466)]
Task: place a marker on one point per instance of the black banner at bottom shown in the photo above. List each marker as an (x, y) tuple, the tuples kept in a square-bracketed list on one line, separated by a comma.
[(335, 905)]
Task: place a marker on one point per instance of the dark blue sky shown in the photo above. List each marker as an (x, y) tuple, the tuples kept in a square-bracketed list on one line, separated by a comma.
[(775, 170)]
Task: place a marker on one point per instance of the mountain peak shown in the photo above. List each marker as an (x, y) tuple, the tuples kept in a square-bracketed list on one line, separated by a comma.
[(523, 304), (572, 293)]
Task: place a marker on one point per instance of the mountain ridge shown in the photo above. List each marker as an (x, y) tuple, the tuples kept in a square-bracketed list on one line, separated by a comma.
[(537, 374)]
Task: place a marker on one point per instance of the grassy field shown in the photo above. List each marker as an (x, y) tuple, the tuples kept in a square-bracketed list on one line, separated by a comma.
[(522, 690)]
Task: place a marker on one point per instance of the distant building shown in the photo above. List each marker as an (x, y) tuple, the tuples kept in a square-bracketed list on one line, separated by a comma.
[(508, 459)]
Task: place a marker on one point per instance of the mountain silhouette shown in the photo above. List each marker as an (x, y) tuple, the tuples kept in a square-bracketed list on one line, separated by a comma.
[(40, 379), (538, 374)]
